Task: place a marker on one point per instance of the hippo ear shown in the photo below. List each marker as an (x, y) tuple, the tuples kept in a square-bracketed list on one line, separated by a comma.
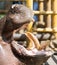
[(13, 6)]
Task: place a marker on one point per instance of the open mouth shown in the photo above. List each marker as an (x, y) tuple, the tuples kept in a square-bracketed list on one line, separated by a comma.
[(34, 48)]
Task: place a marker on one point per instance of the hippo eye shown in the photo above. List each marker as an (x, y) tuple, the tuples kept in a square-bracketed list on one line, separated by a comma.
[(16, 10), (13, 11)]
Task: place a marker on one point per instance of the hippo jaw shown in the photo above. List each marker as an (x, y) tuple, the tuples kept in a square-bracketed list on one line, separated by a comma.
[(30, 55), (21, 50), (33, 48)]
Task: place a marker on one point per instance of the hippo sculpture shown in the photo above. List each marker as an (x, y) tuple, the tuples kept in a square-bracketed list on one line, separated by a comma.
[(12, 53)]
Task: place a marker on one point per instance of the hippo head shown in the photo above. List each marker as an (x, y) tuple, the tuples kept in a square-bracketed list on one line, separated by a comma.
[(12, 53), (19, 14)]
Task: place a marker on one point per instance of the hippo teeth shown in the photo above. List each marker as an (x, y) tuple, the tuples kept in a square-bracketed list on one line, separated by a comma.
[(33, 40)]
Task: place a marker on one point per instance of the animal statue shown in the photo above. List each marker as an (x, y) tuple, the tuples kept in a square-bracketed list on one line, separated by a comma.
[(12, 53)]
